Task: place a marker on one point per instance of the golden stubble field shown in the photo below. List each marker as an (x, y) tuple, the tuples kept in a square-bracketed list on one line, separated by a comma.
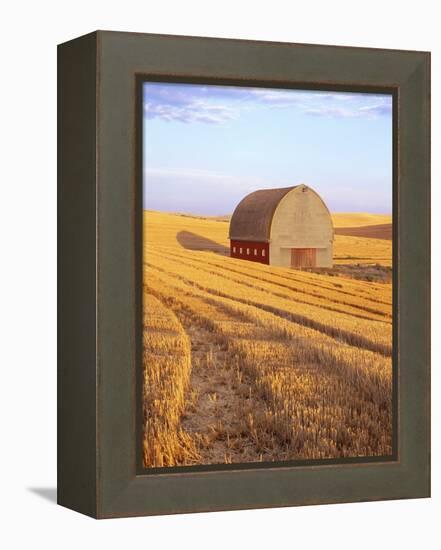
[(245, 362)]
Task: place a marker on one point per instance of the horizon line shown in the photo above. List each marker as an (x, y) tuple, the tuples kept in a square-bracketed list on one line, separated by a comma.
[(230, 214)]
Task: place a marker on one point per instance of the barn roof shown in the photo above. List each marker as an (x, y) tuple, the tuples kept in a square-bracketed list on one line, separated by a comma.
[(251, 220)]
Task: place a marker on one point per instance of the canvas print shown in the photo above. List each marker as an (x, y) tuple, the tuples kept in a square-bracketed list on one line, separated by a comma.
[(267, 275)]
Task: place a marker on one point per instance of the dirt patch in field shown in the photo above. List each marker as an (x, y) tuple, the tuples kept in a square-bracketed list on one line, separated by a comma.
[(380, 231), (374, 273), (220, 402)]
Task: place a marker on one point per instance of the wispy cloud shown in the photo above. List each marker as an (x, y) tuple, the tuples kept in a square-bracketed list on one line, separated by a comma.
[(355, 111), (189, 103), (328, 104), (384, 108), (183, 176), (192, 112), (195, 191), (210, 192), (188, 174), (294, 98)]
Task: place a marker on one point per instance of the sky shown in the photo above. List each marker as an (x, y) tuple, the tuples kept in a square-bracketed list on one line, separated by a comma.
[(206, 147)]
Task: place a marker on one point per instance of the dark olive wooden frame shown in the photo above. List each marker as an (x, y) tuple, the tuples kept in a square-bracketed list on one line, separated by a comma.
[(99, 471)]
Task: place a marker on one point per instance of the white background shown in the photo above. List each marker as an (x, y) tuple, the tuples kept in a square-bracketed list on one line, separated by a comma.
[(29, 34)]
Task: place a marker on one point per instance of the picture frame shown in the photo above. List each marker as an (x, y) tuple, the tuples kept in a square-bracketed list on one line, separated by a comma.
[(100, 269)]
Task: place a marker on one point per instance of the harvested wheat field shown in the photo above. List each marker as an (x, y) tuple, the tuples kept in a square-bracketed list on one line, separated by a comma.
[(246, 362)]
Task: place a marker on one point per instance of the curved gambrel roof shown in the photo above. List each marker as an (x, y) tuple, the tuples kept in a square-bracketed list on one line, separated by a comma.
[(252, 217)]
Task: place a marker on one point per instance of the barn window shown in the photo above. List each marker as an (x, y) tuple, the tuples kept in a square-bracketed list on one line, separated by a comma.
[(234, 249), (240, 250), (248, 251), (255, 252), (263, 252)]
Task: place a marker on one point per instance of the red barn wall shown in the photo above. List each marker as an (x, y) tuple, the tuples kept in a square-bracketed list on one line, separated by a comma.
[(258, 252)]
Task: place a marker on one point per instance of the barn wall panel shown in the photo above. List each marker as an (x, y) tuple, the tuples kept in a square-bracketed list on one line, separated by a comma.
[(324, 257), (251, 246), (301, 220)]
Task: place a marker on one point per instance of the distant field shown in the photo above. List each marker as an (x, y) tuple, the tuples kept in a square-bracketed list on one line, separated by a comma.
[(381, 231), (373, 226), (339, 219), (212, 234), (360, 219), (247, 362)]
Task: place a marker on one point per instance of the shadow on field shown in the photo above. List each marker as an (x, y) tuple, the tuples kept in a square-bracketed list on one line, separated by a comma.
[(374, 273), (192, 241)]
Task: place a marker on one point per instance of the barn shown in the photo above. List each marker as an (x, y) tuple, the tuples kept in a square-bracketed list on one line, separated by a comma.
[(288, 227)]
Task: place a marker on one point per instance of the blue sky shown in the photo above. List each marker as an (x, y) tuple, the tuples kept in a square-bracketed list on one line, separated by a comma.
[(205, 147)]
